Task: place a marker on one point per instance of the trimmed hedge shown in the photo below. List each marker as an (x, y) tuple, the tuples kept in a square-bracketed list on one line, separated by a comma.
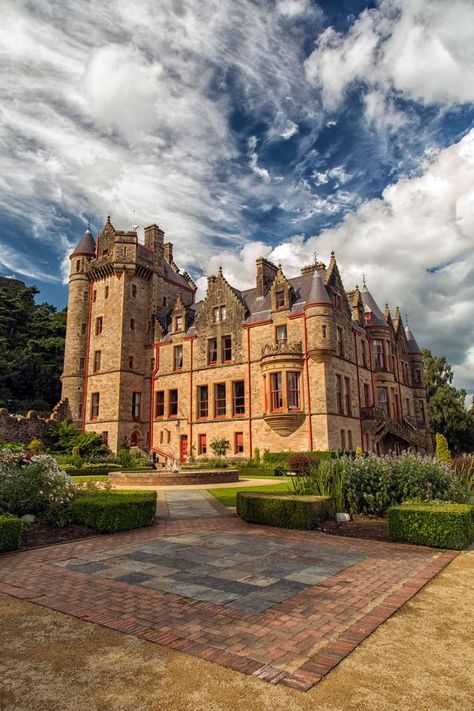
[(261, 471), (280, 459), (437, 524), (283, 510), (10, 532), (112, 511)]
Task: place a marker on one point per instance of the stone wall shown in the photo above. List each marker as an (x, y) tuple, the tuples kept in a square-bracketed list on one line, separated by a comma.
[(22, 429)]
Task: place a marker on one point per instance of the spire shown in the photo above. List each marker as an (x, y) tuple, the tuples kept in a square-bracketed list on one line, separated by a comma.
[(413, 346), (86, 245), (370, 306), (318, 293)]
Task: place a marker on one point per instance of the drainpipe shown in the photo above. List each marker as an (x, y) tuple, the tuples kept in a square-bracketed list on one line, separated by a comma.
[(191, 410), (249, 391), (306, 358), (358, 390), (156, 351), (86, 360)]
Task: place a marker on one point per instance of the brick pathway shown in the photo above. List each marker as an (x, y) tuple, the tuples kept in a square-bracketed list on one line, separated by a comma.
[(285, 606)]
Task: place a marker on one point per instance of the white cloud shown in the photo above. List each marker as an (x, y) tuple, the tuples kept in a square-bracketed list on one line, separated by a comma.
[(416, 246), (290, 130), (421, 48)]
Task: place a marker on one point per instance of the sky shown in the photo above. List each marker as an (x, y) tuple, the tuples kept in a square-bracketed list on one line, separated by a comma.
[(277, 128)]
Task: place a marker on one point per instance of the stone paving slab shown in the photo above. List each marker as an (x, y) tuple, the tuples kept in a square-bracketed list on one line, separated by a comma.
[(225, 591)]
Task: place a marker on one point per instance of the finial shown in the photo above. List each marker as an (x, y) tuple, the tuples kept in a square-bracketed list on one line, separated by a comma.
[(315, 257), (357, 287), (89, 224), (363, 281), (406, 319), (219, 272), (108, 219), (333, 254)]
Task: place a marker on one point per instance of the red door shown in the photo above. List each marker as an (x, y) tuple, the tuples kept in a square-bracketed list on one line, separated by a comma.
[(134, 439), (184, 447)]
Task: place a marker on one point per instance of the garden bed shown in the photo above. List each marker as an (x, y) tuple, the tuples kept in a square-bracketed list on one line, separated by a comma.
[(374, 529)]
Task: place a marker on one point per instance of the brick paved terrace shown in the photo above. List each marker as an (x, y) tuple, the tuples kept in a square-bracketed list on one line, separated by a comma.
[(285, 606)]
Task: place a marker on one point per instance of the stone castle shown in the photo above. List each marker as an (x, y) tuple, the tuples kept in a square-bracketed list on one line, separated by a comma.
[(291, 364)]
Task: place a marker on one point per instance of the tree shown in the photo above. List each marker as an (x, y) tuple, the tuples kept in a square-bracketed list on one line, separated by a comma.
[(447, 412), (31, 349)]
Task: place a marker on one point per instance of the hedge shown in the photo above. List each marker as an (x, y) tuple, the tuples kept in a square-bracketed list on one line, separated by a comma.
[(112, 511), (10, 532), (437, 524), (261, 471), (280, 459), (283, 510)]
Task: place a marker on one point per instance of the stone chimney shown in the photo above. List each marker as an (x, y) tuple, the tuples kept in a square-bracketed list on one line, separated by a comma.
[(154, 237), (266, 272), (168, 252)]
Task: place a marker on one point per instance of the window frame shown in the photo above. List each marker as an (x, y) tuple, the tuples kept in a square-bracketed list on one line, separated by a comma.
[(99, 325), (136, 405), (159, 404), (281, 340), (291, 391), (178, 349), (280, 298), (226, 350), (97, 361), (339, 394), (173, 404), (239, 443), (95, 405), (235, 398), (202, 403), (212, 340), (220, 401), (202, 443), (276, 392)]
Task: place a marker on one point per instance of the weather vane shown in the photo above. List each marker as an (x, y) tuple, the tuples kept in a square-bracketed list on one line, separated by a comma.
[(363, 280)]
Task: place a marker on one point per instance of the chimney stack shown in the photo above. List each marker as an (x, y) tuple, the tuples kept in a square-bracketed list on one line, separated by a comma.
[(266, 272), (154, 237), (168, 252)]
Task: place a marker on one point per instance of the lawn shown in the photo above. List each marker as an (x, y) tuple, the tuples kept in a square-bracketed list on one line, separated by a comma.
[(228, 496), (91, 477)]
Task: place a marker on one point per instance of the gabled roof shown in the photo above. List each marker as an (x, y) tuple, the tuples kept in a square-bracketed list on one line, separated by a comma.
[(370, 306), (86, 245), (413, 346)]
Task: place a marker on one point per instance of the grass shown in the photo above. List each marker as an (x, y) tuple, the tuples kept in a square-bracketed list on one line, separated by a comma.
[(228, 496), (263, 476)]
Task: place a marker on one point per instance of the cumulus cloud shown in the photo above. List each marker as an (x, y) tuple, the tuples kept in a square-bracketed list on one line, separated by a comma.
[(422, 49), (416, 246)]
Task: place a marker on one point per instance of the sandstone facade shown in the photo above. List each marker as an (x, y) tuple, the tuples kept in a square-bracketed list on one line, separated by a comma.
[(293, 364)]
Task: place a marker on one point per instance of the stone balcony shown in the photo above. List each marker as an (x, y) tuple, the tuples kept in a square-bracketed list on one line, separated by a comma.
[(376, 421), (283, 350)]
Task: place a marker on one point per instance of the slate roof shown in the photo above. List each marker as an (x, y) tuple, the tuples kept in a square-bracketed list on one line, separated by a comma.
[(86, 245), (370, 306), (413, 346)]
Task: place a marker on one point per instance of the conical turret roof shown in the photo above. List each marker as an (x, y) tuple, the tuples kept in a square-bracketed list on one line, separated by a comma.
[(86, 245), (413, 346), (318, 293), (370, 305)]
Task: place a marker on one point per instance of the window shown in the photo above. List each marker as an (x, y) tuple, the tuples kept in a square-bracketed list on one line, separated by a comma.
[(293, 390), (173, 403), (379, 356), (97, 357), (106, 292), (212, 351), (280, 298), (105, 252), (350, 446), (136, 405), (407, 401), (339, 403), (226, 349), (160, 403), (238, 442), (418, 378), (105, 437), (281, 334), (86, 296), (165, 301), (94, 295), (80, 410), (78, 265), (276, 391), (202, 444), (368, 318), (219, 400), (95, 401), (343, 440), (83, 329), (130, 362), (152, 364), (82, 362), (178, 323), (134, 290), (347, 396), (325, 331), (177, 357), (420, 412), (366, 395), (238, 398), (382, 399), (364, 354), (339, 342), (397, 406), (202, 401), (98, 325), (132, 324), (219, 314)]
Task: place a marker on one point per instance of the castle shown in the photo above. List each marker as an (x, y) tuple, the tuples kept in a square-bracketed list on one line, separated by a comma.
[(291, 364)]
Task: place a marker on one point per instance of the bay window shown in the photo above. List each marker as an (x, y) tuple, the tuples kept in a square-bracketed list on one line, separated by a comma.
[(293, 390), (276, 391)]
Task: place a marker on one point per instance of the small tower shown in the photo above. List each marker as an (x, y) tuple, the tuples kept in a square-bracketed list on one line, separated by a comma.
[(417, 379), (77, 326)]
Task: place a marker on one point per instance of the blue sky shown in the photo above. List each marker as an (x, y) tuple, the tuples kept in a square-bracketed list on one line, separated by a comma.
[(265, 127)]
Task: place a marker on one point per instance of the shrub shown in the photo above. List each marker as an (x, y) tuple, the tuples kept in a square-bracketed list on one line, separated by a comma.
[(32, 484), (463, 468), (280, 459), (438, 524), (327, 479), (283, 510), (220, 446), (68, 438), (375, 483), (256, 456), (10, 533), (36, 446), (112, 511), (442, 449), (302, 463)]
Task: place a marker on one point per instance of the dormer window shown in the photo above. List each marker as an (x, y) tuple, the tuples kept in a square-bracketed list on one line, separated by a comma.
[(368, 318), (178, 323), (219, 314), (281, 334), (280, 298)]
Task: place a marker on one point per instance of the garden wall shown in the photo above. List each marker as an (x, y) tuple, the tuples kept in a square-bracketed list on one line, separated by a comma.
[(22, 429)]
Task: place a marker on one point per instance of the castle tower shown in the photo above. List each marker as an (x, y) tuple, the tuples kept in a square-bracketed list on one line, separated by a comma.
[(132, 287), (77, 321)]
